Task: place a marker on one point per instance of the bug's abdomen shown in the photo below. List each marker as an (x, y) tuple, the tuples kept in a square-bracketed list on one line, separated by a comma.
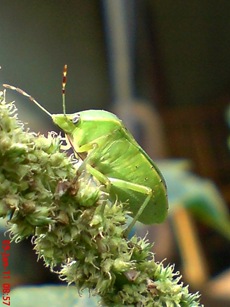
[(122, 159)]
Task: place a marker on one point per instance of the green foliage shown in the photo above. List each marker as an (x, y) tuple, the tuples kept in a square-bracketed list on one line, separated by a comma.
[(198, 195), (75, 225)]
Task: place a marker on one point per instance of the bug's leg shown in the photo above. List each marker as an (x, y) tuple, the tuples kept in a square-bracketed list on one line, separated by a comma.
[(136, 217), (89, 149), (137, 188), (102, 179), (69, 144), (99, 176)]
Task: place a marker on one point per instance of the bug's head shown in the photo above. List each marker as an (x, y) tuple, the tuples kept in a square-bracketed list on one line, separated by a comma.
[(66, 122)]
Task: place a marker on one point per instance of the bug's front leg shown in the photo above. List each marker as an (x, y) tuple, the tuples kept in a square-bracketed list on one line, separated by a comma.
[(86, 153), (86, 165)]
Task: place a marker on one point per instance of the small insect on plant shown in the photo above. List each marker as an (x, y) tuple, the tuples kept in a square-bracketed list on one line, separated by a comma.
[(110, 153)]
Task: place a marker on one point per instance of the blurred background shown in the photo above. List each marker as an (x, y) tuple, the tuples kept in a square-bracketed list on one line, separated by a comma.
[(164, 68)]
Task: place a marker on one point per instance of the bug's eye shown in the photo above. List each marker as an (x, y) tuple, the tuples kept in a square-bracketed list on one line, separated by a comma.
[(76, 118)]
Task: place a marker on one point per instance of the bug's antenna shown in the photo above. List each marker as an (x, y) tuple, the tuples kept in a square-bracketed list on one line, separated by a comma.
[(63, 88), (27, 95)]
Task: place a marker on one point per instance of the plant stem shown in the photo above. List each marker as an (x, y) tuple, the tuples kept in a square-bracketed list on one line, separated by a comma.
[(75, 225)]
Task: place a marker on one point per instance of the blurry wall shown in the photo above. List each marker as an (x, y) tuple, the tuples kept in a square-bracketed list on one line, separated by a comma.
[(38, 37), (182, 47), (193, 39)]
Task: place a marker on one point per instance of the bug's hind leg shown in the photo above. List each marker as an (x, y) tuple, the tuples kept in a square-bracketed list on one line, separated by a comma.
[(137, 188), (136, 217)]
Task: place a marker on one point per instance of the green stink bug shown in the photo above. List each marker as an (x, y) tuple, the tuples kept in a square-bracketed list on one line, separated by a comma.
[(110, 153)]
